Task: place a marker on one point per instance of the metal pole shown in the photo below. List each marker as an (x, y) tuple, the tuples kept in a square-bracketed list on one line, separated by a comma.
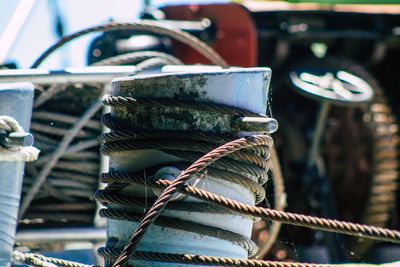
[(16, 102), (69, 75), (318, 132)]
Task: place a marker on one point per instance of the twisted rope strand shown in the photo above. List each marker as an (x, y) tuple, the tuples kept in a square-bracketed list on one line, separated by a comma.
[(311, 222), (148, 26), (181, 145), (9, 124), (135, 57), (121, 132), (185, 225), (106, 197), (42, 261), (179, 182), (112, 253)]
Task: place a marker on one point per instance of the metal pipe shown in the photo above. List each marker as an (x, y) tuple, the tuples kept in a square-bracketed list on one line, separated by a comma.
[(318, 132), (16, 102), (95, 75), (61, 235)]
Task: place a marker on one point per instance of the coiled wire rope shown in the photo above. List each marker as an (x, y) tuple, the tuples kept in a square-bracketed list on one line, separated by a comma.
[(247, 167), (227, 150)]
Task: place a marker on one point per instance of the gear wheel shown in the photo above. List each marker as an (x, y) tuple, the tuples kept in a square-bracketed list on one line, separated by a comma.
[(361, 155), (359, 148), (384, 133)]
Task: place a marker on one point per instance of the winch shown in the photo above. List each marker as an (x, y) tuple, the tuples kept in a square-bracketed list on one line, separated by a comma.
[(162, 123)]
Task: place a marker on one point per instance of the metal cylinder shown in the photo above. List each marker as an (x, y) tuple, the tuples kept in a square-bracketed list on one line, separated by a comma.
[(15, 101), (245, 89)]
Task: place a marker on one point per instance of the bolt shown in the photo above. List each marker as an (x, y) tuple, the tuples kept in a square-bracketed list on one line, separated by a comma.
[(170, 174), (257, 124), (16, 139)]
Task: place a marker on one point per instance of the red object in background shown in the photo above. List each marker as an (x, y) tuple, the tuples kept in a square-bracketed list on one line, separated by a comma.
[(235, 38)]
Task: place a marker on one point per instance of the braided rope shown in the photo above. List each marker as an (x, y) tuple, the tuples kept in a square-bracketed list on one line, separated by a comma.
[(110, 100), (148, 26), (42, 261), (9, 124)]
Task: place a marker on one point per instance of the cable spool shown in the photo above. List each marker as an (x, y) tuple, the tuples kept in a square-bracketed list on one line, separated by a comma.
[(170, 121)]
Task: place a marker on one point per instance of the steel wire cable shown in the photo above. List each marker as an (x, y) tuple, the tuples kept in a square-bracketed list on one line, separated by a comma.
[(136, 57), (185, 225), (311, 222), (279, 204), (295, 219), (121, 131), (242, 168), (106, 197), (179, 182), (112, 253), (110, 100), (181, 145), (147, 26), (227, 175), (151, 64), (247, 164)]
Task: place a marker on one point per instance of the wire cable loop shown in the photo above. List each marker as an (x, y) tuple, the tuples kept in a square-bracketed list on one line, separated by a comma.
[(147, 26)]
